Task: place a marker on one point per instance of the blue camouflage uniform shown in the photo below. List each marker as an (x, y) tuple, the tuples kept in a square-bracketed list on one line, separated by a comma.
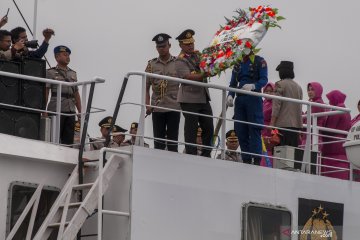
[(249, 108)]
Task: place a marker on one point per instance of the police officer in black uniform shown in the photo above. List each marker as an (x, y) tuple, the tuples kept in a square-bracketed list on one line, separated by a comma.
[(164, 94), (70, 97)]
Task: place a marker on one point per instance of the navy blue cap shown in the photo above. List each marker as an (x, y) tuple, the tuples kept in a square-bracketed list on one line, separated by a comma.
[(161, 38), (62, 48)]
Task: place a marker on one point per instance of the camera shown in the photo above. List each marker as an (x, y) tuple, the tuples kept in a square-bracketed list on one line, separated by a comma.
[(31, 44)]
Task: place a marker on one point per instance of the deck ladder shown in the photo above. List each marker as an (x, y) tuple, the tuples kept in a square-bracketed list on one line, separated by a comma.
[(58, 216)]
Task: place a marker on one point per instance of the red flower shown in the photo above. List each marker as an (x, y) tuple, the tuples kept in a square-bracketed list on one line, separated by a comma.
[(259, 9), (229, 53), (227, 27), (268, 9), (220, 54), (203, 64), (248, 44), (238, 42), (271, 14), (260, 21)]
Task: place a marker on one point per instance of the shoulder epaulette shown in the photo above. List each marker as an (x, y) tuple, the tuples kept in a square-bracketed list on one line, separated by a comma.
[(148, 67), (152, 60), (181, 56)]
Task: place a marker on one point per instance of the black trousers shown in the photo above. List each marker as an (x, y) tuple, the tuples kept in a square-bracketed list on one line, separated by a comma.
[(192, 122), (166, 126), (288, 138), (67, 129)]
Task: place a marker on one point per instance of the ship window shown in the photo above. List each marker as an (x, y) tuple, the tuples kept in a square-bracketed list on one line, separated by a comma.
[(19, 196), (266, 222)]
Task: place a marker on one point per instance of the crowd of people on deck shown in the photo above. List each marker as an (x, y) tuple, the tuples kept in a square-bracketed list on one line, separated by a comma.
[(260, 123)]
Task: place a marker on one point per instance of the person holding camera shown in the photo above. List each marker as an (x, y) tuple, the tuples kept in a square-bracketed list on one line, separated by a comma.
[(70, 97), (5, 44), (6, 50), (18, 34)]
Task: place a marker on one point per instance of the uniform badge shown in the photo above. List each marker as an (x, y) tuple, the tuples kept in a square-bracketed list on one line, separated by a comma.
[(160, 38), (263, 63), (188, 35)]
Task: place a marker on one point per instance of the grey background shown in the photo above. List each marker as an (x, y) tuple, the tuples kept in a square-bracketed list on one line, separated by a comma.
[(111, 37)]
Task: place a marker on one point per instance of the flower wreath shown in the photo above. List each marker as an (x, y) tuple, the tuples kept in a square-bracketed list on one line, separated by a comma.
[(238, 38)]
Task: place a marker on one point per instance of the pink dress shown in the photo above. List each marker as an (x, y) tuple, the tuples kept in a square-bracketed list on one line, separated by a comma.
[(336, 150), (266, 132), (318, 89)]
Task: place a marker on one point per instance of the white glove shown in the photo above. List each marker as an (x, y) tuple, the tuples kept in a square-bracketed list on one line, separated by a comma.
[(248, 87), (230, 101)]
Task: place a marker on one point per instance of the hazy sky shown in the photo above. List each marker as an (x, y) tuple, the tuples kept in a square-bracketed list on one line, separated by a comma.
[(111, 37)]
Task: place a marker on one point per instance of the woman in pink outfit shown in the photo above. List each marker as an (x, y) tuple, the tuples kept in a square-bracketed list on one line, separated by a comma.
[(315, 90), (357, 118), (336, 150), (267, 109)]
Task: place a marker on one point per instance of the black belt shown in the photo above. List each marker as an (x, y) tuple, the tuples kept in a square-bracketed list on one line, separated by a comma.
[(64, 95)]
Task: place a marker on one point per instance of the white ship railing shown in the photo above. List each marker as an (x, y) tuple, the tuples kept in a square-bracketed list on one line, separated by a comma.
[(102, 211), (312, 131), (56, 127)]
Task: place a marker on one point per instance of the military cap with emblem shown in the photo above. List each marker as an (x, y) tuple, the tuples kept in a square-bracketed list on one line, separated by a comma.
[(62, 48), (161, 39), (118, 129), (105, 122), (186, 37), (134, 125), (231, 135)]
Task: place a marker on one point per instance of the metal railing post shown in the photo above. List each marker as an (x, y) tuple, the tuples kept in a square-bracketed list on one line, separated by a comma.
[(223, 126), (315, 141), (100, 199), (83, 108), (141, 129), (307, 153), (58, 114)]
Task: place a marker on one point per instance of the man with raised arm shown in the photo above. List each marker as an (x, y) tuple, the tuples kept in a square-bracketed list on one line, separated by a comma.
[(192, 98), (19, 34), (70, 97), (3, 21), (164, 94)]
